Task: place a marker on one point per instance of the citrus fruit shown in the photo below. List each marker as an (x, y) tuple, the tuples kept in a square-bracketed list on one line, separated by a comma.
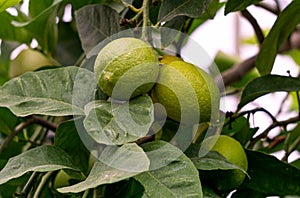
[(126, 67), (169, 58), (188, 93), (232, 150), (27, 60)]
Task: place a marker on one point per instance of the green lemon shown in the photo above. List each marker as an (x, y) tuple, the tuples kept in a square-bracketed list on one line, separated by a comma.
[(187, 92), (27, 60), (166, 59), (232, 150), (126, 67)]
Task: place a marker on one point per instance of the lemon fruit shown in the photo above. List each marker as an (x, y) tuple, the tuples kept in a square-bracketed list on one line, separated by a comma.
[(232, 150), (188, 93), (166, 59), (27, 60), (129, 63)]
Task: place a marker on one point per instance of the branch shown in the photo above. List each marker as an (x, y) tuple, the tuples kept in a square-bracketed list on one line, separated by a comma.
[(258, 32), (238, 71), (31, 120), (275, 124)]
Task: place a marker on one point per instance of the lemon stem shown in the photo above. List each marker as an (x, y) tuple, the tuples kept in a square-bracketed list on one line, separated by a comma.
[(145, 8), (131, 7)]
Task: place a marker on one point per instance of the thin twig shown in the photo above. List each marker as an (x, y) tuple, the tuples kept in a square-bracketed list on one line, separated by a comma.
[(145, 8), (28, 185), (275, 124), (258, 32), (239, 70), (41, 185), (31, 120)]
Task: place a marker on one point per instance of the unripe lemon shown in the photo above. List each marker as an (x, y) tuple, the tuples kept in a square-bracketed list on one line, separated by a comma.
[(129, 63), (187, 92), (166, 59), (27, 60), (232, 150)]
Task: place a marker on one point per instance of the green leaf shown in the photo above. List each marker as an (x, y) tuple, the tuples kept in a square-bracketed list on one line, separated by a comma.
[(129, 188), (277, 36), (238, 5), (170, 9), (37, 6), (68, 48), (9, 32), (55, 92), (208, 192), (115, 164), (67, 138), (209, 13), (168, 35), (296, 163), (268, 84), (171, 174), (214, 161), (8, 121), (43, 26), (96, 23), (271, 176), (41, 159), (119, 123), (7, 3)]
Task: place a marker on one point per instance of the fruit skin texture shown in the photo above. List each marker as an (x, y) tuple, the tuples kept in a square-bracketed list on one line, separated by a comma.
[(166, 59), (196, 91), (232, 150), (130, 61), (27, 60)]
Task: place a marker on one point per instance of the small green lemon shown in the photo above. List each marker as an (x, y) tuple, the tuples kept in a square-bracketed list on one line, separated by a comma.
[(27, 60), (126, 67), (187, 93), (232, 150)]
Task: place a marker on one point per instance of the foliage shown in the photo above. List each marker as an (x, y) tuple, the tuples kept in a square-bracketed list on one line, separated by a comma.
[(56, 118)]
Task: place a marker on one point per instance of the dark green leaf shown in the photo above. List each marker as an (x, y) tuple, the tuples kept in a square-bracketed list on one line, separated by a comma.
[(43, 26), (168, 35), (96, 23), (214, 161), (268, 84), (115, 164), (209, 13), (296, 163), (68, 49), (129, 188), (277, 36), (67, 138), (170, 9), (9, 32), (56, 92), (8, 121), (271, 176), (238, 5), (119, 123), (171, 174), (37, 6), (208, 192), (41, 159), (7, 3)]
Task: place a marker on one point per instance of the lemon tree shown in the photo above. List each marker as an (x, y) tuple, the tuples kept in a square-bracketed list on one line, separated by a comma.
[(132, 110)]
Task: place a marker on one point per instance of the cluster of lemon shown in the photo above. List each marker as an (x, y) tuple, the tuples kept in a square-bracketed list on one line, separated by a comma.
[(129, 67)]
